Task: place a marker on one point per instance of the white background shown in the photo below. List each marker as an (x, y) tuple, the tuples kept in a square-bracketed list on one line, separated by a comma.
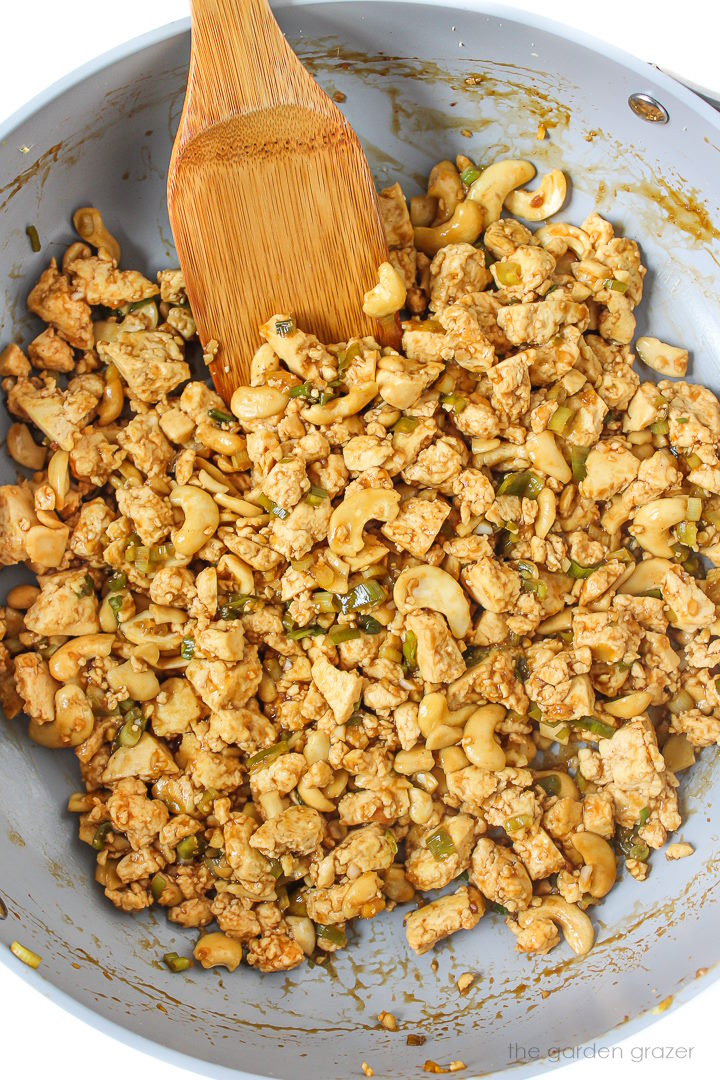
[(43, 40)]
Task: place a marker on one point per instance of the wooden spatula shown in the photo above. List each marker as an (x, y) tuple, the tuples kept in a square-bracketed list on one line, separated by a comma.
[(271, 200)]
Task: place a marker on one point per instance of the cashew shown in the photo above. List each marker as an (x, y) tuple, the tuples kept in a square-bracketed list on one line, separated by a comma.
[(679, 753), (356, 399), (629, 705), (58, 476), (547, 512), (417, 760), (258, 402), (464, 227), (542, 203), (546, 456), (88, 224), (430, 587), (653, 521), (202, 518), (647, 575), (596, 853), (362, 890), (423, 209), (303, 931), (222, 442), (495, 183), (433, 716), (667, 359), (337, 785), (314, 797), (141, 629), (73, 721), (218, 950), (574, 923), (22, 597), (452, 759), (561, 621), (345, 532), (140, 685), (446, 189), (65, 662), (479, 742), (317, 747), (388, 296), (239, 571), (567, 788), (559, 236), (22, 447), (421, 805)]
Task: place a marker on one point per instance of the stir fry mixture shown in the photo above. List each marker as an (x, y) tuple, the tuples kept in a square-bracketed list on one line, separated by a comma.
[(393, 621)]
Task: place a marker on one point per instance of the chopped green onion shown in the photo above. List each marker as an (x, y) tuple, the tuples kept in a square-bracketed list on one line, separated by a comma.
[(578, 457), (302, 564), (406, 424), (26, 955), (655, 594), (32, 235), (578, 572), (694, 509), (300, 632), (508, 273), (534, 585), (549, 784), (682, 419), (524, 484), (269, 754), (87, 588), (660, 427), (218, 866), (177, 963), (333, 934), (631, 846), (475, 654), (347, 357), (440, 844), (304, 390), (644, 815), (559, 419), (273, 508), (135, 305), (534, 712), (686, 533), (469, 175), (98, 840), (492, 905), (220, 416), (409, 651), (187, 849), (522, 671), (206, 800), (236, 601), (284, 327), (681, 702), (157, 886), (363, 595), (591, 723), (187, 648), (117, 581), (326, 603), (115, 602), (316, 496), (338, 634), (392, 842), (276, 868), (454, 402), (135, 724), (615, 285), (693, 461), (297, 904), (368, 625), (518, 822)]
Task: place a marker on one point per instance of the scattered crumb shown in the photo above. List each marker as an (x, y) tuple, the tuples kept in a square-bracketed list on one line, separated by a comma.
[(433, 1067), (466, 133), (210, 352), (367, 1070), (473, 80), (465, 981), (639, 870), (591, 135), (434, 965), (416, 1040), (662, 1006), (700, 972), (545, 994), (541, 132), (339, 96), (678, 851), (388, 1021)]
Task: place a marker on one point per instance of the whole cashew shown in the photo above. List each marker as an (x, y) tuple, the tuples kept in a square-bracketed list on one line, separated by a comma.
[(258, 402), (65, 662), (356, 399), (546, 456), (667, 359), (88, 224), (598, 854), (141, 685), (647, 575), (574, 923), (559, 236), (652, 523), (345, 532), (464, 227), (202, 518), (446, 188), (218, 950), (629, 705), (430, 587), (542, 203), (388, 296), (479, 742), (73, 723), (495, 183)]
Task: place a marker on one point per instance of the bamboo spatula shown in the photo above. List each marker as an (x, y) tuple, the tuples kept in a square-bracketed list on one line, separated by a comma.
[(271, 200)]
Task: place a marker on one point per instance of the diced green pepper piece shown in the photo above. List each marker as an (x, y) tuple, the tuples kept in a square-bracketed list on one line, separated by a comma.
[(177, 963)]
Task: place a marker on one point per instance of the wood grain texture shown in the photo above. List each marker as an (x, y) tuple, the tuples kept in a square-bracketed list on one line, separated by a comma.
[(271, 200)]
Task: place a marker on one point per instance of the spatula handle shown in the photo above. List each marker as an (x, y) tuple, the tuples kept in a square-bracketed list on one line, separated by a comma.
[(240, 61)]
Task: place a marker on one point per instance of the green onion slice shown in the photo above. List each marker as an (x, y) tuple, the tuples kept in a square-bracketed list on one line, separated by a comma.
[(177, 963), (268, 755), (440, 844)]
